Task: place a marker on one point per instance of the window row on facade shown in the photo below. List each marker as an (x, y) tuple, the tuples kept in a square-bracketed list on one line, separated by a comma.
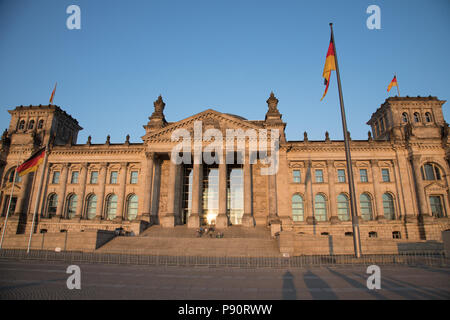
[(22, 125), (341, 175), (370, 234), (93, 177), (320, 208), (91, 205), (417, 117), (430, 171)]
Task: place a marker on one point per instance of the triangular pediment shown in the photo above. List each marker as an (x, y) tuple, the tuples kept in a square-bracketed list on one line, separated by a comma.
[(435, 186), (209, 119)]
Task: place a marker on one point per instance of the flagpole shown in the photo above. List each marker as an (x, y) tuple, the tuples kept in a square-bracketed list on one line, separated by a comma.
[(10, 198), (36, 207), (398, 90), (355, 224)]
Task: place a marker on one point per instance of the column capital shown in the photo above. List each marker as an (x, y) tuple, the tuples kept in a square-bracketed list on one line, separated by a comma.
[(374, 162), (415, 158), (124, 164), (330, 163), (65, 165), (150, 155)]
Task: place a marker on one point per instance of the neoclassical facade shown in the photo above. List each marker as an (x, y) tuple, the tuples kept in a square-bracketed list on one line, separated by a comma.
[(401, 175)]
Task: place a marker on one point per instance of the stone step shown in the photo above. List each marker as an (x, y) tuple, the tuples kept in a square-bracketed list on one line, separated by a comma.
[(185, 232), (181, 241)]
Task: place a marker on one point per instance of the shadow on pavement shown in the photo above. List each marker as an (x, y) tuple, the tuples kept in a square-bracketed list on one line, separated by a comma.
[(318, 288), (288, 291)]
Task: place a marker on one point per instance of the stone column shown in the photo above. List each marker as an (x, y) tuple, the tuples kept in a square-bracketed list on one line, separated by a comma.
[(332, 192), (155, 191), (379, 212), (122, 190), (80, 204), (101, 196), (309, 207), (420, 191), (146, 211), (168, 220), (197, 189), (247, 219), (62, 190), (222, 218)]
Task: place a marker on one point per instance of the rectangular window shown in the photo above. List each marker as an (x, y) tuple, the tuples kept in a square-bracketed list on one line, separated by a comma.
[(385, 175), (74, 178), (319, 175), (436, 206), (363, 175), (296, 175), (55, 179), (113, 177), (341, 175), (94, 177), (134, 177)]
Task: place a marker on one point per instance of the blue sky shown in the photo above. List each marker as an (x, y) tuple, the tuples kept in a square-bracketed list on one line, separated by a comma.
[(226, 55)]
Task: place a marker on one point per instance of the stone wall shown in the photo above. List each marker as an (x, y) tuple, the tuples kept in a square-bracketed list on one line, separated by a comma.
[(301, 244), (56, 224), (72, 241), (383, 229)]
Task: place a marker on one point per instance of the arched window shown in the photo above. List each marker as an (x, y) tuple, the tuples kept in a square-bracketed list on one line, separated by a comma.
[(382, 124), (388, 206), (431, 171), (22, 124), (405, 117), (71, 209), (52, 203), (91, 206), (416, 117), (297, 207), (342, 207), (366, 206), (320, 208), (428, 117), (111, 207), (31, 124), (9, 177), (132, 207), (40, 124)]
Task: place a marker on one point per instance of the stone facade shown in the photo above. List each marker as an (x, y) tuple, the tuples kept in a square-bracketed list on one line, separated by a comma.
[(401, 175)]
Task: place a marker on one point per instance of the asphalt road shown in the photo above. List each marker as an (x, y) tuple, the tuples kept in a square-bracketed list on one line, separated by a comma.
[(26, 280)]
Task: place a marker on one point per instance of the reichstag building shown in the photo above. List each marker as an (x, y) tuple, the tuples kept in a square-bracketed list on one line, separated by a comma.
[(401, 174)]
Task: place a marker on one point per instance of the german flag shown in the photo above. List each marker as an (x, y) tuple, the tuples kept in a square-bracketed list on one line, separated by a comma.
[(330, 65), (32, 163), (53, 94), (393, 83)]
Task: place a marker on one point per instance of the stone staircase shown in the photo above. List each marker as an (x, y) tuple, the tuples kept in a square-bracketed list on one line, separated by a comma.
[(182, 241)]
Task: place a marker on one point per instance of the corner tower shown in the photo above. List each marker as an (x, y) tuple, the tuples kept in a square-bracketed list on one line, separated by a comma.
[(400, 118), (36, 125)]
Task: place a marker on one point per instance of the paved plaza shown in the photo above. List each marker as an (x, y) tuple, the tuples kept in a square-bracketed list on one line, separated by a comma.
[(21, 280)]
